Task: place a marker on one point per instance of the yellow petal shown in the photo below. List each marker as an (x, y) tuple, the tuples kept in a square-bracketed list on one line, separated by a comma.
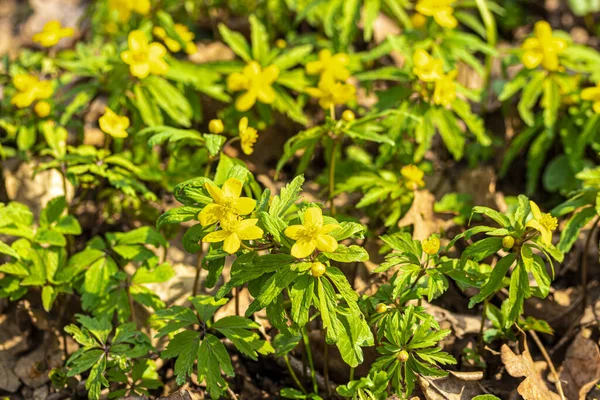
[(215, 237), (243, 125), (24, 82), (532, 58), (314, 67), (294, 231), (329, 228), (324, 55), (313, 216), (23, 99), (237, 82), (535, 210), (596, 107), (232, 243), (270, 74), (245, 101), (591, 93), (210, 214), (326, 243), (244, 205), (214, 192), (140, 70), (159, 67), (303, 248), (252, 69), (543, 31), (445, 18), (127, 57), (530, 44), (247, 229), (266, 94), (137, 41), (550, 61), (232, 188), (546, 236), (44, 90)]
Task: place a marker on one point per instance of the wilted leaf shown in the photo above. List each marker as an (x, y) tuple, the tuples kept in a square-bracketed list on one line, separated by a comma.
[(581, 368)]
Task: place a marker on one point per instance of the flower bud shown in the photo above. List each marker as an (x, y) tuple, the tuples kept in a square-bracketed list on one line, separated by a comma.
[(402, 356), (432, 245), (280, 43), (348, 116), (42, 109), (380, 308), (508, 242), (317, 269), (216, 126)]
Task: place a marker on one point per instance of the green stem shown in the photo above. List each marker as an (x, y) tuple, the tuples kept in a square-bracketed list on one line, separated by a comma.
[(332, 177), (198, 270), (326, 361), (309, 356), (481, 328), (293, 374), (351, 378)]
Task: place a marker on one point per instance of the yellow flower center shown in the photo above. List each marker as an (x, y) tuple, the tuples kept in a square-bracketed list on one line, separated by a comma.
[(549, 222)]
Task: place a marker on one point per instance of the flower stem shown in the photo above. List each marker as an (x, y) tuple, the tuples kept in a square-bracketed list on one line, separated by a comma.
[(332, 177), (483, 318), (311, 364), (325, 361), (293, 374), (198, 270)]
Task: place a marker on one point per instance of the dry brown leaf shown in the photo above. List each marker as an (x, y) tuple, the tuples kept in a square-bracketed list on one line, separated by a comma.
[(421, 216), (455, 386), (533, 386), (581, 368)]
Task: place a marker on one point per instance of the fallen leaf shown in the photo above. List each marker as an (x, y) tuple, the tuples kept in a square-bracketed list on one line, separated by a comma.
[(421, 216), (581, 368), (533, 387), (455, 386)]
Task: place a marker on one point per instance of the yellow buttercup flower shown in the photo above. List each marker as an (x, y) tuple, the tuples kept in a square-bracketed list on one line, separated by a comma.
[(543, 48), (431, 245), (125, 7), (330, 66), (143, 58), (445, 89), (233, 231), (331, 93), (426, 67), (173, 45), (42, 109), (441, 11), (248, 136), (30, 89), (256, 81), (312, 234), (226, 201), (113, 124), (544, 223), (52, 34), (413, 176), (592, 94)]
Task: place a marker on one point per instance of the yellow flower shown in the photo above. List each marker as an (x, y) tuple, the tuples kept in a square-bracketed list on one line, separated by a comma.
[(413, 176), (544, 223), (113, 124), (281, 43), (330, 67), (42, 109), (125, 7), (233, 231), (440, 10), (426, 67), (432, 245), (445, 89), (257, 83), (143, 58), (226, 201), (312, 234), (248, 136), (30, 89), (543, 48), (159, 32), (52, 34), (418, 20), (173, 45), (592, 94), (331, 93), (216, 126)]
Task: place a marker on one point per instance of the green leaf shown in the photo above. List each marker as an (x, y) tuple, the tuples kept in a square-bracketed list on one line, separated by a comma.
[(513, 86), (534, 264), (260, 40), (500, 218), (370, 136), (206, 306), (347, 230), (327, 304), (293, 57), (48, 297), (214, 143), (212, 358), (573, 227), (348, 23), (301, 296), (494, 282), (530, 95), (170, 100), (160, 274), (238, 330), (287, 197), (6, 249), (271, 289), (53, 210), (449, 131), (51, 237), (178, 215), (236, 42), (370, 12), (348, 254), (517, 293), (184, 347), (551, 100), (149, 111), (68, 225), (482, 249)]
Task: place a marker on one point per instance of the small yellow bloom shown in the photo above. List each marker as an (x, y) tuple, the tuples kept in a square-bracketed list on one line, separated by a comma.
[(426, 67), (543, 48), (233, 231), (413, 176), (348, 116), (52, 34), (331, 93), (592, 94), (248, 136), (312, 234), (544, 223), (317, 269), (256, 81), (143, 58), (281, 43), (431, 245), (159, 32), (42, 109), (172, 44), (226, 201), (445, 89), (441, 11), (216, 126), (113, 124), (125, 7), (30, 89), (418, 20), (330, 66)]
